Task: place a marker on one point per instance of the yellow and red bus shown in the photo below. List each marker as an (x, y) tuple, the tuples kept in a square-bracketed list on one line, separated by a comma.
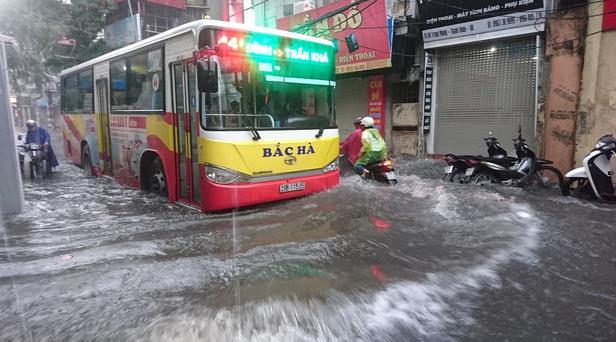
[(212, 114)]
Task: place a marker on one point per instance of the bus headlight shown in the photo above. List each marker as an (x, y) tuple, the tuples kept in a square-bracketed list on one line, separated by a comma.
[(224, 176), (333, 166)]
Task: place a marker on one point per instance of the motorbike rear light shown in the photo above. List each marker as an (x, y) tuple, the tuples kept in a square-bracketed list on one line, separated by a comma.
[(387, 165)]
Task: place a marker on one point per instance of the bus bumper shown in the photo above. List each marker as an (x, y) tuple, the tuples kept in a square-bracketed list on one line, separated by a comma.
[(223, 197)]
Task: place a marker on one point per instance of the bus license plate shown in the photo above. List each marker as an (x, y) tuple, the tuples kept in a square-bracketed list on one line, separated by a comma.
[(299, 186)]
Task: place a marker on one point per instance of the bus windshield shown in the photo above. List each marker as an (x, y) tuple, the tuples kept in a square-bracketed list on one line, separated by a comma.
[(266, 93)]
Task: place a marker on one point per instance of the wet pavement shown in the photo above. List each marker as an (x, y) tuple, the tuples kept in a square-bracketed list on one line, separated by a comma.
[(91, 260)]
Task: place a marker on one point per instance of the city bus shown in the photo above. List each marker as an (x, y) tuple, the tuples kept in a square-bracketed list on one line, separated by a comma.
[(211, 114)]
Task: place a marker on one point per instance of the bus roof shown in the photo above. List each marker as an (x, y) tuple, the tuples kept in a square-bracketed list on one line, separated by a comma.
[(194, 26)]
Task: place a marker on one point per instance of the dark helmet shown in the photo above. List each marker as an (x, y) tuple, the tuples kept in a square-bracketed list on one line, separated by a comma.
[(358, 120), (606, 142)]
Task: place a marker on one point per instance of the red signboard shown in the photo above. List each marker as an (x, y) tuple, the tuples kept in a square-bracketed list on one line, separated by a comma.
[(361, 32), (609, 15), (376, 101)]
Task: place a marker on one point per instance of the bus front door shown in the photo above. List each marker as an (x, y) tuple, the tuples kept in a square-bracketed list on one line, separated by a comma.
[(186, 132), (105, 133)]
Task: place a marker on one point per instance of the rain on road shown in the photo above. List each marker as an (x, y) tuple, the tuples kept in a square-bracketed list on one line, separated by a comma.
[(90, 259)]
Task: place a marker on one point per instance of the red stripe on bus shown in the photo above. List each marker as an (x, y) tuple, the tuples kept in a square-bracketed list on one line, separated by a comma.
[(168, 117), (71, 126)]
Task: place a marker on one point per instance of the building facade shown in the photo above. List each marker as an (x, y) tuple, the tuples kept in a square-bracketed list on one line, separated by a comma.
[(134, 20)]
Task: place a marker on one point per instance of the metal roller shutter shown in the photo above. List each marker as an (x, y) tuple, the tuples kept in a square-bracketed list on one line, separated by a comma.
[(485, 88)]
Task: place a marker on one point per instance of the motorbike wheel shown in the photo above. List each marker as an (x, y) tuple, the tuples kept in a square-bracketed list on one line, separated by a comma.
[(33, 171), (578, 187), (483, 178), (86, 161), (392, 182), (457, 176), (43, 170), (544, 177)]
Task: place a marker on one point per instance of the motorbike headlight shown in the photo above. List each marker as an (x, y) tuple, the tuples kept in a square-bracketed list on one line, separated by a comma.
[(224, 176), (34, 146)]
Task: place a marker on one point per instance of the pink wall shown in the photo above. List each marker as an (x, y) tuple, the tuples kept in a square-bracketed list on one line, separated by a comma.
[(565, 53)]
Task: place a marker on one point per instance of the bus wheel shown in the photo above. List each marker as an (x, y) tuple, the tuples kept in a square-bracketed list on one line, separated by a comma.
[(86, 160), (156, 179)]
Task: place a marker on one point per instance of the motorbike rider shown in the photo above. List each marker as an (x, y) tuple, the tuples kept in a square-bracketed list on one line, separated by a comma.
[(39, 135), (351, 145), (373, 148)]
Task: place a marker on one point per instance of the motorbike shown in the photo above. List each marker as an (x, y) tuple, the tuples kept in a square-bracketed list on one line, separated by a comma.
[(32, 159), (594, 179), (457, 165), (382, 172), (527, 168)]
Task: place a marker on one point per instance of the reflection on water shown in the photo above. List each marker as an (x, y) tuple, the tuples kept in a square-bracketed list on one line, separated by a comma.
[(425, 260)]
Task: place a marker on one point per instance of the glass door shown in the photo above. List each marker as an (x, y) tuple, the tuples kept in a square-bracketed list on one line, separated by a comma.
[(103, 109), (186, 131)]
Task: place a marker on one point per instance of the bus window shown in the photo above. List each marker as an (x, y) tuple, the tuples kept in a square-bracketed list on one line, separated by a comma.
[(86, 92), (137, 82), (118, 85)]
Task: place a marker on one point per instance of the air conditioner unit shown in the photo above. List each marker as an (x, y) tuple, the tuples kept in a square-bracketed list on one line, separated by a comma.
[(302, 6)]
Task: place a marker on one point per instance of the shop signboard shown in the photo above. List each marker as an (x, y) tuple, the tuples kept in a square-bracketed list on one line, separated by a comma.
[(428, 88), (362, 32), (376, 101), (609, 15), (450, 19)]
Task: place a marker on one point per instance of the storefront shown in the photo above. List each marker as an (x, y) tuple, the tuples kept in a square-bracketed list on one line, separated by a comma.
[(364, 37), (481, 73)]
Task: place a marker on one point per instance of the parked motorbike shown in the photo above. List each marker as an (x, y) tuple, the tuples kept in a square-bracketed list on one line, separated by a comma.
[(594, 179), (32, 159), (382, 172), (527, 168), (457, 165)]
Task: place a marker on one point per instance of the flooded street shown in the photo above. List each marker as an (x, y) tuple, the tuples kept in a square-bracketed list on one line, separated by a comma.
[(92, 260)]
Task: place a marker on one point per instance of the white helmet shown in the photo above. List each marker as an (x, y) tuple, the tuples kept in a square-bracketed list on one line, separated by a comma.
[(367, 121), (30, 123)]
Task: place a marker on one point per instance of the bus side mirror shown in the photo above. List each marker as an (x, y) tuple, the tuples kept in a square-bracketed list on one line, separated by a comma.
[(207, 72)]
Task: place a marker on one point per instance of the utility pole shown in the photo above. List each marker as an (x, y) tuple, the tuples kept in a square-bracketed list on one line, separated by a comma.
[(12, 197)]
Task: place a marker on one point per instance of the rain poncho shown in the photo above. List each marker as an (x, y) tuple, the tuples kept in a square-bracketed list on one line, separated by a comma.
[(351, 146), (41, 136), (373, 148)]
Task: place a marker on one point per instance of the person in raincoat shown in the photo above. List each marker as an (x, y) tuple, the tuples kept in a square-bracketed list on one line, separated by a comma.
[(351, 145), (39, 135), (373, 148)]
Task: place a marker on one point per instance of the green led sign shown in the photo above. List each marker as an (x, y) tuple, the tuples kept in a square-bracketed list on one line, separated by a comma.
[(251, 46)]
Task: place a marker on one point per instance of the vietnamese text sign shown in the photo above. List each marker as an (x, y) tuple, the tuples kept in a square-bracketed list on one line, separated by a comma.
[(428, 87), (446, 19), (361, 33), (376, 101)]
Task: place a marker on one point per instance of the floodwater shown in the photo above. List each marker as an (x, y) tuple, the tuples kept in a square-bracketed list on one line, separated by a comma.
[(91, 260)]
